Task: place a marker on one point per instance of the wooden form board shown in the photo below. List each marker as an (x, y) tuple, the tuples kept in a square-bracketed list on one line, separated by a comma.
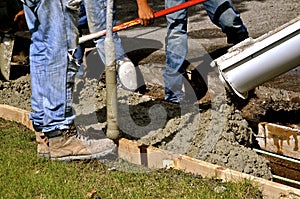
[(156, 158), (15, 114), (279, 139)]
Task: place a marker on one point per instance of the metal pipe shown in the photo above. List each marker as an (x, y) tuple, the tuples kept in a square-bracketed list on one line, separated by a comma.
[(277, 156), (286, 179), (283, 158), (110, 76), (254, 62)]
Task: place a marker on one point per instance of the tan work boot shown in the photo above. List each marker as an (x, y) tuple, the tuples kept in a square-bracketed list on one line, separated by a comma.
[(72, 146), (43, 144)]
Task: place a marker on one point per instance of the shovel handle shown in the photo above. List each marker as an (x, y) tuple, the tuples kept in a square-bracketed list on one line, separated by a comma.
[(172, 9), (137, 21)]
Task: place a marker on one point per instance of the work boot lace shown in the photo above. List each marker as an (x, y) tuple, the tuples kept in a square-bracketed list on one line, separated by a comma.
[(72, 131)]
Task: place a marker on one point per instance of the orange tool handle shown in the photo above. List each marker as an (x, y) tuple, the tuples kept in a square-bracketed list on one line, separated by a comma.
[(137, 21)]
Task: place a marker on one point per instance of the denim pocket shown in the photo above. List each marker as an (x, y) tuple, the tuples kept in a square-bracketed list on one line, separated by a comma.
[(31, 3)]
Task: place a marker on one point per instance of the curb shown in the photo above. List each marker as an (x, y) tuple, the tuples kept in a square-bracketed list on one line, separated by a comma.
[(156, 158)]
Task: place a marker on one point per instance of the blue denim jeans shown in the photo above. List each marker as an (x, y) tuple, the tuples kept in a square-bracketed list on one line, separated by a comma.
[(221, 13), (53, 28), (96, 17), (96, 22)]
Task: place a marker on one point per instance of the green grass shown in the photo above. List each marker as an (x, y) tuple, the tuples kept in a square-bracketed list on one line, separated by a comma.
[(24, 175)]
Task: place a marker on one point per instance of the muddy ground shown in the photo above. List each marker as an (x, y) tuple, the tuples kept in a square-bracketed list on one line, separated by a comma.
[(220, 127)]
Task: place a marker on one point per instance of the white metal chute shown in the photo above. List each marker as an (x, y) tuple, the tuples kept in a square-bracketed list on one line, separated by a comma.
[(255, 61)]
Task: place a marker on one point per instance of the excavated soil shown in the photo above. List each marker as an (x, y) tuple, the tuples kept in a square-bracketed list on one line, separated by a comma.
[(220, 127)]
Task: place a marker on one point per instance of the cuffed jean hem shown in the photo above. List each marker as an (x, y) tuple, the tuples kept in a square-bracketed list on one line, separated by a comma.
[(53, 134)]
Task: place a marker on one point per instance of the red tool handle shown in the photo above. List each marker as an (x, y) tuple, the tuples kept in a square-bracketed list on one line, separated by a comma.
[(137, 21), (187, 4)]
